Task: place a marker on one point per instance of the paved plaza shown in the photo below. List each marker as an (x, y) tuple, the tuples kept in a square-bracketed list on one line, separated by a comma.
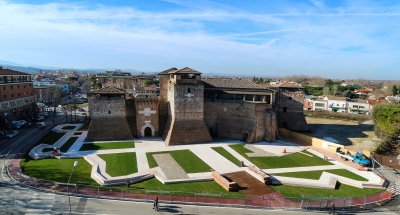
[(169, 171)]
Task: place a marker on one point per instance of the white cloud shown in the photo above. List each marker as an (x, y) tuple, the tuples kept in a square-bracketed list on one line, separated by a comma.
[(74, 35)]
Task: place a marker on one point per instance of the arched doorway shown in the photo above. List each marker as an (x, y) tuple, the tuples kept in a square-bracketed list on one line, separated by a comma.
[(147, 132), (245, 136)]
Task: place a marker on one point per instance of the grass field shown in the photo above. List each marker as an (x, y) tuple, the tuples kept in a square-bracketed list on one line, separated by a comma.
[(317, 174), (187, 189), (290, 160), (120, 164), (50, 138), (108, 145), (58, 170), (185, 158), (68, 144), (341, 190), (227, 155)]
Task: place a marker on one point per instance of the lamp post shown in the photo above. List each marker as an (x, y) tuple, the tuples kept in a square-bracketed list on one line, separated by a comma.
[(69, 200)]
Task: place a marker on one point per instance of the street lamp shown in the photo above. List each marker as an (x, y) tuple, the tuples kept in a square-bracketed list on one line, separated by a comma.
[(69, 200)]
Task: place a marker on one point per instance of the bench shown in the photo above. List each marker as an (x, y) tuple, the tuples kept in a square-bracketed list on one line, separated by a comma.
[(259, 175), (221, 180)]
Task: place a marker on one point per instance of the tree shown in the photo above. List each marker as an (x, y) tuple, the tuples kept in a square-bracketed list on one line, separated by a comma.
[(87, 86), (394, 90), (148, 82), (386, 120), (55, 96)]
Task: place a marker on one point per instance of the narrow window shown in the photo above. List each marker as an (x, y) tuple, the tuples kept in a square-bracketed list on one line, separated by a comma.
[(5, 96), (12, 95), (18, 86), (11, 87), (4, 88), (109, 112), (284, 109), (19, 94), (290, 98), (188, 89)]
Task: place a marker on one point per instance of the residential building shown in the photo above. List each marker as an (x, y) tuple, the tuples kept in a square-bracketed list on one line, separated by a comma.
[(358, 107), (320, 105), (17, 100), (336, 103)]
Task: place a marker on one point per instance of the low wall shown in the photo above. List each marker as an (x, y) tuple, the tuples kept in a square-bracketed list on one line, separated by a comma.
[(316, 142), (229, 186)]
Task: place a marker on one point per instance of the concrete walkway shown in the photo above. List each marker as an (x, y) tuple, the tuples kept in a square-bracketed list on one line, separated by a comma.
[(213, 159)]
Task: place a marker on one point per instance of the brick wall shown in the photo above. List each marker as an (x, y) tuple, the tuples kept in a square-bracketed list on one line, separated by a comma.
[(108, 119), (163, 109), (144, 120), (290, 110), (247, 121)]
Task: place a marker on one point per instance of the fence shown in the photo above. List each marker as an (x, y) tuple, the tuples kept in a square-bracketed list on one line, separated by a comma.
[(272, 200)]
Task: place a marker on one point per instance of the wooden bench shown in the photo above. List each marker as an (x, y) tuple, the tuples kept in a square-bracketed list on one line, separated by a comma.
[(221, 180), (259, 175)]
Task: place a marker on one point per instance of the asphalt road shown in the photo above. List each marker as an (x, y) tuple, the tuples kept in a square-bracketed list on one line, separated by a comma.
[(15, 199)]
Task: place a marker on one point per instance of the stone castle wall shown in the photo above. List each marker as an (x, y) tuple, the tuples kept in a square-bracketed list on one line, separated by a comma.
[(108, 119), (243, 121), (293, 118), (163, 109), (186, 115), (147, 115)]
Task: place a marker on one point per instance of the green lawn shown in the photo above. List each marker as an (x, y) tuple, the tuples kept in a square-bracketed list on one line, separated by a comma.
[(185, 158), (58, 170), (107, 145), (198, 187), (120, 164), (68, 144), (317, 174), (341, 190), (50, 138), (290, 160), (68, 127), (227, 155)]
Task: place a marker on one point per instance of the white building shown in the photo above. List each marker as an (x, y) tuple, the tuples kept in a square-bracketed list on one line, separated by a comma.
[(336, 104)]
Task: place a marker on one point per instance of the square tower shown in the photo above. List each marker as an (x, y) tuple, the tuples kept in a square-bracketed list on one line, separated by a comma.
[(185, 99)]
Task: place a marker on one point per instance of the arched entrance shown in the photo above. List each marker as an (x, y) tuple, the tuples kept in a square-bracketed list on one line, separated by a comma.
[(147, 132), (245, 136)]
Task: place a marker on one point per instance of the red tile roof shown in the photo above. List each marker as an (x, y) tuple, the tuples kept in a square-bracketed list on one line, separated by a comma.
[(108, 90), (11, 72), (232, 83)]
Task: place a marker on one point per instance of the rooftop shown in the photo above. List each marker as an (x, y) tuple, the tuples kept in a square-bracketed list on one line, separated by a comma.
[(166, 72), (11, 72), (185, 70), (231, 83), (108, 90), (286, 85)]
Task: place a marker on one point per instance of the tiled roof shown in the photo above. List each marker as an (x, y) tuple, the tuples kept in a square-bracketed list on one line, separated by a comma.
[(286, 85), (375, 102), (166, 72), (232, 83), (108, 90), (11, 72), (185, 70)]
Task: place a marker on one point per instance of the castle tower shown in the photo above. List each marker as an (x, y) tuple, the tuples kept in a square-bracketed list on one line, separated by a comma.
[(185, 105), (107, 110), (147, 115), (163, 110)]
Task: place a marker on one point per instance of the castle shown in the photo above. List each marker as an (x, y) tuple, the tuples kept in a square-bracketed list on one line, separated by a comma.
[(190, 109)]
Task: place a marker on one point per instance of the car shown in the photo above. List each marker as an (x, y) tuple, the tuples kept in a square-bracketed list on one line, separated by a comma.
[(16, 125), (41, 124), (11, 134), (39, 117)]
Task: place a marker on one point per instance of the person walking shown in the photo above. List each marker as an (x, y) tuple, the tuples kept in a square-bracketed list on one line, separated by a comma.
[(333, 208), (155, 204)]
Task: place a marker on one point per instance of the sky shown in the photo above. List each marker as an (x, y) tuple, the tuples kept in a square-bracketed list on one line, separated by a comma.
[(340, 39)]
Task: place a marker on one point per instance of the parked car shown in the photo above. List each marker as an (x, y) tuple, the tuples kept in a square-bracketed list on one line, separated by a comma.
[(39, 117), (16, 125), (41, 124), (11, 134)]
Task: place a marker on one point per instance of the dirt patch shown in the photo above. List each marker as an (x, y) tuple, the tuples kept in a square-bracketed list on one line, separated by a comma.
[(356, 136), (248, 185)]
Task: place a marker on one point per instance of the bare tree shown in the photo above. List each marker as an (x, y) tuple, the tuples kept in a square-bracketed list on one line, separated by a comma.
[(55, 96), (70, 108), (87, 86)]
